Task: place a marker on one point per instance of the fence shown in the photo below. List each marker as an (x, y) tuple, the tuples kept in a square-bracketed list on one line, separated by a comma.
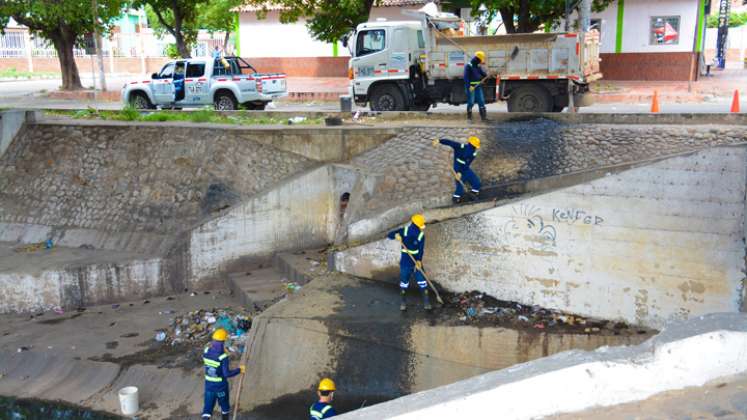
[(18, 43)]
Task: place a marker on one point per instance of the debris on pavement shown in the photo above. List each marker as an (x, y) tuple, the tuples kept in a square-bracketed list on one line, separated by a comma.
[(481, 309), (197, 326)]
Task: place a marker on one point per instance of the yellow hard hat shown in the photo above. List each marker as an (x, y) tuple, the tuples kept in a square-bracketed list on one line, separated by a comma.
[(220, 335), (418, 220), (474, 141), (481, 56), (327, 384)]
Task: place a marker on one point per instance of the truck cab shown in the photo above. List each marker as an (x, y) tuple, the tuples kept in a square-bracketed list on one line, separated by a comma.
[(197, 82)]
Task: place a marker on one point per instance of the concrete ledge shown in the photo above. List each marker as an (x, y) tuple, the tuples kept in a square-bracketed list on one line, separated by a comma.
[(685, 354)]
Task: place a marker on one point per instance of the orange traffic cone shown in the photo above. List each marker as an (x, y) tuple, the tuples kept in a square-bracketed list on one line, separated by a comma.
[(735, 102), (655, 102)]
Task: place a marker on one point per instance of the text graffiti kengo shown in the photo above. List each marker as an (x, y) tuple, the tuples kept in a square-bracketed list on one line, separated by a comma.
[(571, 216)]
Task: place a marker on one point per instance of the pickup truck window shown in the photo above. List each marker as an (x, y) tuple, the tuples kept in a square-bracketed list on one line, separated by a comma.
[(421, 40), (167, 72), (370, 42), (195, 70)]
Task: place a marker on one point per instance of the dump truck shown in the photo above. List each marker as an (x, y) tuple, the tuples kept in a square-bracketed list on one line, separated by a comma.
[(413, 65)]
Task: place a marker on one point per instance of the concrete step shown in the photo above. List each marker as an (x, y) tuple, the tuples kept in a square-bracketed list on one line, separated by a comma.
[(301, 266), (260, 287)]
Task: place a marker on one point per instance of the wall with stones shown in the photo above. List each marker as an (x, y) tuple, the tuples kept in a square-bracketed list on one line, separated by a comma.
[(407, 169), (148, 179), (647, 245)]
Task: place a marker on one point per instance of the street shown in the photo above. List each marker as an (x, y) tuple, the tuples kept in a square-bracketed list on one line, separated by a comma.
[(31, 94)]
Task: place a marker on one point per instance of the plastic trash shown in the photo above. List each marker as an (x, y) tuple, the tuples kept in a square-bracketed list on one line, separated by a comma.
[(59, 311), (523, 318), (128, 400), (160, 336), (48, 244), (296, 120)]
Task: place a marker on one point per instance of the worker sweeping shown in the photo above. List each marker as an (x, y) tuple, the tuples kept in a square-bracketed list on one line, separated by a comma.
[(464, 154), (217, 373), (326, 393), (412, 240), (473, 78)]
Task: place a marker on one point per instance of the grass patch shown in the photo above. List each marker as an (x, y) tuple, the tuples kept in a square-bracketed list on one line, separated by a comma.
[(205, 115), (15, 74)]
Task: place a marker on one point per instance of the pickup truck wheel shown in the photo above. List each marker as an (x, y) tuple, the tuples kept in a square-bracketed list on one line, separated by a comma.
[(224, 101), (139, 100), (530, 99), (387, 98)]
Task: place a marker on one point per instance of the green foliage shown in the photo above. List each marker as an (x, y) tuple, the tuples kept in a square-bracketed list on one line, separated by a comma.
[(171, 51), (736, 19), (176, 17), (64, 22), (521, 16), (218, 16), (205, 115), (328, 20)]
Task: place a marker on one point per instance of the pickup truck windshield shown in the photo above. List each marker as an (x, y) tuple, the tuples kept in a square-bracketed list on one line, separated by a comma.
[(370, 41), (167, 72)]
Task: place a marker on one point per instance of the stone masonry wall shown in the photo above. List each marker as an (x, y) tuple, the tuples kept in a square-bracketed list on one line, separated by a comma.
[(133, 178), (411, 170)]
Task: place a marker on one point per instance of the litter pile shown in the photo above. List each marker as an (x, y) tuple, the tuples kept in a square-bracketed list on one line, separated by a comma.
[(198, 326), (479, 308)]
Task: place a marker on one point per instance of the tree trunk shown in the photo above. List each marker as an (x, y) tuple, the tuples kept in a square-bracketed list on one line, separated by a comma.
[(507, 14), (64, 42), (524, 17), (225, 42), (180, 45)]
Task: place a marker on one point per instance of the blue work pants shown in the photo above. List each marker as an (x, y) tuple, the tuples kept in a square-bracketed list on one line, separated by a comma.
[(406, 270), (475, 96), (468, 177), (210, 399)]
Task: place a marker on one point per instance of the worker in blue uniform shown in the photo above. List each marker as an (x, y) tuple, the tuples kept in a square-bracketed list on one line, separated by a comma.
[(473, 78), (412, 240), (322, 409), (217, 373), (464, 154)]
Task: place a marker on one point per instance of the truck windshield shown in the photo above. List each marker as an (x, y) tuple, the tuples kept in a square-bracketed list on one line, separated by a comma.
[(370, 41), (167, 72)]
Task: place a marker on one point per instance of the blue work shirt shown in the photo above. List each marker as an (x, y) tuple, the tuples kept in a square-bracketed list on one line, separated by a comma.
[(320, 410), (473, 73), (414, 240), (217, 372), (464, 154)]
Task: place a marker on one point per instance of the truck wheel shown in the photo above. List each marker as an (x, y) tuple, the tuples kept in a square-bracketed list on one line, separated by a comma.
[(139, 100), (530, 99), (224, 101), (387, 98)]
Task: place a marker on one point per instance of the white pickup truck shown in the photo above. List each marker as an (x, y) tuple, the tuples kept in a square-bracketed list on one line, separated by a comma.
[(412, 65), (196, 82)]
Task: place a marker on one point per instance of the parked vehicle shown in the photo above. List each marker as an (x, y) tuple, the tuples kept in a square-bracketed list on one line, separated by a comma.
[(197, 82), (412, 65)]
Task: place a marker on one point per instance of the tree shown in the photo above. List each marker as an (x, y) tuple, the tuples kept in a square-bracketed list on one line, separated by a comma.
[(327, 20), (177, 17), (521, 16), (63, 23), (736, 19), (219, 16)]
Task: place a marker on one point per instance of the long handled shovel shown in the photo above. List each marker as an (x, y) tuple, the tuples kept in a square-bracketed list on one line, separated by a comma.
[(438, 297), (244, 356), (464, 187)]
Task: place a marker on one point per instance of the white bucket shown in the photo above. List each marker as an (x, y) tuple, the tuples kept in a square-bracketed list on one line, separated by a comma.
[(128, 400)]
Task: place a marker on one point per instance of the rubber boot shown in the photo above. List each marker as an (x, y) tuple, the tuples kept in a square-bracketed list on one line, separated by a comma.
[(426, 302), (456, 200), (402, 300), (225, 416), (483, 114), (469, 115)]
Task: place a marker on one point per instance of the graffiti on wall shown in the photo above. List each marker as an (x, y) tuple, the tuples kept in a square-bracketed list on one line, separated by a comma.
[(528, 222), (572, 216)]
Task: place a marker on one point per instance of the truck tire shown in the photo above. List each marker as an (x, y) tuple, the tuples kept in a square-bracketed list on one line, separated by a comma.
[(139, 100), (387, 98), (530, 98), (225, 101)]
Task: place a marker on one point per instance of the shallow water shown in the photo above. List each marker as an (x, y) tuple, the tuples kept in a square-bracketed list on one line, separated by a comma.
[(29, 409)]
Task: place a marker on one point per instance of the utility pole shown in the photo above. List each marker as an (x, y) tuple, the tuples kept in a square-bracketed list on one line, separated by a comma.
[(584, 14), (567, 23), (97, 41), (723, 33)]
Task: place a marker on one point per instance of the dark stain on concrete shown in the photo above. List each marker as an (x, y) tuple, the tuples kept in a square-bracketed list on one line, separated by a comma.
[(59, 320), (376, 363), (296, 406)]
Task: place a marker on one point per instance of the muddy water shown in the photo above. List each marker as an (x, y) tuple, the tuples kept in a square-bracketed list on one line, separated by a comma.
[(30, 409)]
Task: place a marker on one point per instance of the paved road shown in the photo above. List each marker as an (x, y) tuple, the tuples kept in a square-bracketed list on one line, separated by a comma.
[(29, 94)]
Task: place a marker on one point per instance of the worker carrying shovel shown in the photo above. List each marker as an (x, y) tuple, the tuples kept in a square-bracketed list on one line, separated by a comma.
[(464, 154), (474, 76), (412, 239), (217, 373)]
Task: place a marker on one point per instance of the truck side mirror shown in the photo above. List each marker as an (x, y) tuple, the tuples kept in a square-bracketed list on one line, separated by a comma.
[(154, 76)]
